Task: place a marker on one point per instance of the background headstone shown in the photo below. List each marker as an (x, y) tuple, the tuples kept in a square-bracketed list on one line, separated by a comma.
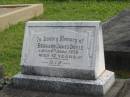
[(116, 33)]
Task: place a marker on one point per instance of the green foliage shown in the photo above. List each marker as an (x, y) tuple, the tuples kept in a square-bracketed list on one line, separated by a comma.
[(10, 48), (41, 1), (11, 39)]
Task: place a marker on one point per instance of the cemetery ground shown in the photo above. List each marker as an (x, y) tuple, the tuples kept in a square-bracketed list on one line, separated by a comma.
[(11, 39)]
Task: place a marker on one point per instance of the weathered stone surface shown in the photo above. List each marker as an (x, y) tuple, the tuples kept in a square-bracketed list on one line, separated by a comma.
[(12, 14), (116, 32), (116, 91), (66, 85), (5, 10), (126, 91), (69, 49)]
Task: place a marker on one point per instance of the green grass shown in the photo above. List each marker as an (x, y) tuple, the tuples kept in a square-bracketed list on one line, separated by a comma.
[(11, 39)]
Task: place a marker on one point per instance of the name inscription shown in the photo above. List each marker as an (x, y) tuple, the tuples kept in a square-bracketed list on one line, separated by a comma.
[(58, 50), (60, 47)]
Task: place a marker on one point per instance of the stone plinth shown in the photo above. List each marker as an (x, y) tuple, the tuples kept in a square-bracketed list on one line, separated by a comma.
[(66, 85), (119, 89)]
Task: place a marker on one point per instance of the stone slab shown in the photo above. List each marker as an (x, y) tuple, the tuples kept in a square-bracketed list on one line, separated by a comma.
[(126, 90), (9, 91), (66, 85), (12, 14), (116, 33), (68, 49)]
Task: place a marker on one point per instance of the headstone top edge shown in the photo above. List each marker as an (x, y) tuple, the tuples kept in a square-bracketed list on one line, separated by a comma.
[(62, 23)]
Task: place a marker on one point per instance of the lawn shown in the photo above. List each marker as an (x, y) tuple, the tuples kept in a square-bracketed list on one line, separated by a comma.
[(11, 39)]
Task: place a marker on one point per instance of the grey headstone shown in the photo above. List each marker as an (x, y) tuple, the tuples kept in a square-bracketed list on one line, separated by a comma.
[(64, 56), (71, 49)]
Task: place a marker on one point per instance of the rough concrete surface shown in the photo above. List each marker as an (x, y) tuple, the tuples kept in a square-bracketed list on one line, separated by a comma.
[(12, 14), (127, 89), (65, 85), (6, 10), (8, 91)]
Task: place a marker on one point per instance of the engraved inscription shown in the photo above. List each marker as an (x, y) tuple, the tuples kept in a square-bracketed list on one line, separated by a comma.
[(57, 50), (69, 49), (62, 47)]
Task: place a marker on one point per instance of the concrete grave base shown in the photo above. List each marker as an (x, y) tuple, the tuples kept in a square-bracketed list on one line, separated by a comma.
[(66, 85), (117, 90)]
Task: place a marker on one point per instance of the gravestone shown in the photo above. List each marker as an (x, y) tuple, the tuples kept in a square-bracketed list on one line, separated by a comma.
[(117, 43), (64, 56)]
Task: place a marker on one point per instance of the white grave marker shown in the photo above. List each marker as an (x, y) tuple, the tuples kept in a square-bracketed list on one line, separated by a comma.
[(64, 56), (64, 49)]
